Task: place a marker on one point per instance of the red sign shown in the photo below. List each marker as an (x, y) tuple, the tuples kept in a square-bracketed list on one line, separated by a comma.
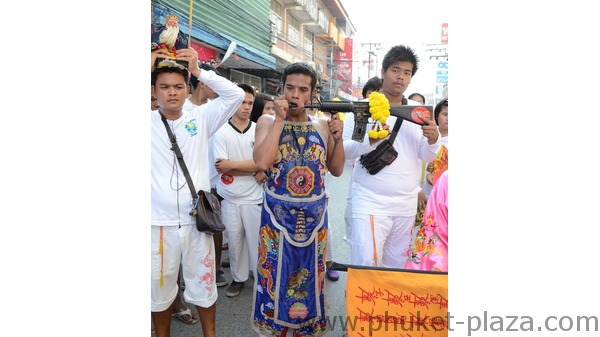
[(205, 54), (343, 71), (444, 32)]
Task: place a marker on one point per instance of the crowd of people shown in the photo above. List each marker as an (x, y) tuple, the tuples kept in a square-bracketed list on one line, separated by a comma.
[(269, 161)]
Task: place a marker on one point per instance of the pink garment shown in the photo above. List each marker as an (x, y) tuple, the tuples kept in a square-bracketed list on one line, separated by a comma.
[(429, 246)]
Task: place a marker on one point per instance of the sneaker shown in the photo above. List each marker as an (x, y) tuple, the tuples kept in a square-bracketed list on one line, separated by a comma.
[(225, 263), (234, 289), (221, 280), (332, 275)]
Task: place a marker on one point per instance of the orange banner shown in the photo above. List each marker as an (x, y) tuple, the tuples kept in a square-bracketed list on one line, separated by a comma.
[(396, 303)]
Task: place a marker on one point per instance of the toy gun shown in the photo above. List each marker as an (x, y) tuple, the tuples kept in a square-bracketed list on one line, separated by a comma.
[(412, 113)]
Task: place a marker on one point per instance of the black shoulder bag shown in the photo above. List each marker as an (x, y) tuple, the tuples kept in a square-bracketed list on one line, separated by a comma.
[(384, 154), (206, 208)]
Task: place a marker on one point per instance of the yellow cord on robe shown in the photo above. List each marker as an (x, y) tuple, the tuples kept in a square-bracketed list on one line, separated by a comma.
[(440, 152), (423, 170), (162, 257), (374, 245)]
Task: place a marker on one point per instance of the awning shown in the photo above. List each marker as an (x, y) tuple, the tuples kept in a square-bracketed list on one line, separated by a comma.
[(245, 53), (248, 57)]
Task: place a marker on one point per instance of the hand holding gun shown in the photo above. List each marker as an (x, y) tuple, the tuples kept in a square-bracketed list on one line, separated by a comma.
[(412, 113)]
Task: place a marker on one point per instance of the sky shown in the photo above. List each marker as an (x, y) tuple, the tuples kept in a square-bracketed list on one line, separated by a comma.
[(414, 25)]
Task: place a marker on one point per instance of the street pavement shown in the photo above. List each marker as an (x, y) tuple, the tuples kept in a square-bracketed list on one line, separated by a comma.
[(233, 314)]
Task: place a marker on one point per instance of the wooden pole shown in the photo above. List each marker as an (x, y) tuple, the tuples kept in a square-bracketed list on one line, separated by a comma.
[(190, 25)]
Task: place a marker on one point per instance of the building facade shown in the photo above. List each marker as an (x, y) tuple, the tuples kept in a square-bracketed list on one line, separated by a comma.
[(267, 36)]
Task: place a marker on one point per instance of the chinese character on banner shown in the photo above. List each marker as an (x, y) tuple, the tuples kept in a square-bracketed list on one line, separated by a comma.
[(382, 303), (343, 70), (444, 32)]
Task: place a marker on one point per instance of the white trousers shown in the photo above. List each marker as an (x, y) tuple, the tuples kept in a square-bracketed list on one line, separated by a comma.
[(194, 251), (242, 222), (348, 216), (380, 241), (329, 246), (348, 221)]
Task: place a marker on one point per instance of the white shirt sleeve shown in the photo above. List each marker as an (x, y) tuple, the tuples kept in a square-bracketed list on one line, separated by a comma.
[(218, 111), (219, 144)]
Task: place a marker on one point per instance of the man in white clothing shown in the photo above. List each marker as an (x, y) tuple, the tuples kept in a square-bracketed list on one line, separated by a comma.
[(384, 204), (175, 240), (240, 185), (203, 94)]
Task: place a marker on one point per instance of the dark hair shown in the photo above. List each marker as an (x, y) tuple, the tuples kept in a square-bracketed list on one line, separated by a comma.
[(401, 53), (194, 82), (208, 66), (162, 70), (417, 94), (259, 106), (247, 88), (438, 108), (204, 66), (299, 68), (374, 83)]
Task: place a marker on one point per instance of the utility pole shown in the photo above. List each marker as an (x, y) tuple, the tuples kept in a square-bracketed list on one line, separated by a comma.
[(439, 52), (331, 72), (371, 51)]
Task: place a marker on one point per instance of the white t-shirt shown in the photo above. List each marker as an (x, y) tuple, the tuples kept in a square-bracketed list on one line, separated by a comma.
[(188, 105), (171, 197), (212, 171), (393, 190), (236, 145)]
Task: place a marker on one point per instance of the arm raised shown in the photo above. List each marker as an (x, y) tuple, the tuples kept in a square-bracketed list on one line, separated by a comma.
[(268, 130)]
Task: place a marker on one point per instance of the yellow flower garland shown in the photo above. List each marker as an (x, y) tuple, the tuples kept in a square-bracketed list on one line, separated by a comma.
[(379, 106)]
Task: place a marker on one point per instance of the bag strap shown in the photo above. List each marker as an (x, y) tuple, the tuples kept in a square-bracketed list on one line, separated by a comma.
[(395, 129), (397, 125), (175, 148)]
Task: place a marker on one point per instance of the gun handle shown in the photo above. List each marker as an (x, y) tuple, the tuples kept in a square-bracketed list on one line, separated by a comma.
[(360, 129), (361, 118)]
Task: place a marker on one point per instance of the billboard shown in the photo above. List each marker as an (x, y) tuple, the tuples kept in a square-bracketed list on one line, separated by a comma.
[(445, 32), (343, 69)]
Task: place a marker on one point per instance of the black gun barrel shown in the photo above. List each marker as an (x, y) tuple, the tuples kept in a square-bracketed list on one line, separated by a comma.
[(332, 106)]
